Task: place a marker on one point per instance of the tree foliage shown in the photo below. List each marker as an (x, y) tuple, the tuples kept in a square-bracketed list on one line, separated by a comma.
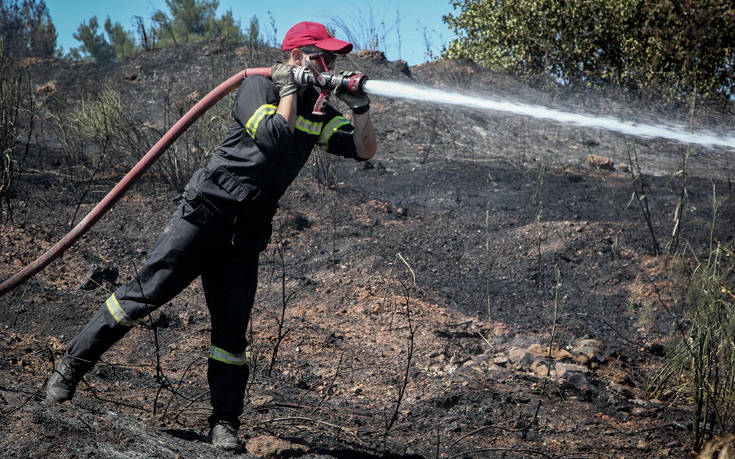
[(95, 45), (121, 40), (673, 47), (186, 21), (194, 20), (253, 37), (26, 29)]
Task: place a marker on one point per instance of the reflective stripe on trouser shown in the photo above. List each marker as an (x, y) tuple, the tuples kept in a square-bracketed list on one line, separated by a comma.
[(217, 353), (229, 309), (194, 242)]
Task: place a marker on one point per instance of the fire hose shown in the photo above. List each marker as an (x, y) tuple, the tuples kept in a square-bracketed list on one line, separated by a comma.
[(304, 76)]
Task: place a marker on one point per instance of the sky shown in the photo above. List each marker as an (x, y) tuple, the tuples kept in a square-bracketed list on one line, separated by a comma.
[(418, 23)]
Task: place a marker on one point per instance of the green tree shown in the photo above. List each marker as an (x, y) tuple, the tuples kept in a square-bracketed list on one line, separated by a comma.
[(253, 36), (121, 40), (186, 21), (227, 28), (194, 20), (114, 44), (26, 29), (673, 47), (94, 46)]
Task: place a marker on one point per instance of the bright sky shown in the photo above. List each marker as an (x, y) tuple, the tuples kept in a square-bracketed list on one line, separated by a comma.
[(420, 21)]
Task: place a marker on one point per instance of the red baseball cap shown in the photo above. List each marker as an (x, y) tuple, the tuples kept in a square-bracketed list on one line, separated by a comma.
[(312, 33)]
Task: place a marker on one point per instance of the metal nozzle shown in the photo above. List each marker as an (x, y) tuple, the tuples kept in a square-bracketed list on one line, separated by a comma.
[(354, 84)]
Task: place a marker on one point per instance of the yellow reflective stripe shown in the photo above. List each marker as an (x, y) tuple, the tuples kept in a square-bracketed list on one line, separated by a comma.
[(217, 353), (252, 125), (117, 312), (332, 126), (309, 127)]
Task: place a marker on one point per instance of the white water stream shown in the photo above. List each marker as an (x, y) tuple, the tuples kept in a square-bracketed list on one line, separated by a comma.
[(666, 131)]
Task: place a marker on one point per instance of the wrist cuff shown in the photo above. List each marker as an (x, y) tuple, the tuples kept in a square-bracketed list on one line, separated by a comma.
[(361, 109)]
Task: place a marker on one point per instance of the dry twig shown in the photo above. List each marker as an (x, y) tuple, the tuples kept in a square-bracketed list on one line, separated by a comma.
[(411, 333)]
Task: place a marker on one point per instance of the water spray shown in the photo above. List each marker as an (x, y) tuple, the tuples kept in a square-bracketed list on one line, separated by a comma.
[(674, 132)]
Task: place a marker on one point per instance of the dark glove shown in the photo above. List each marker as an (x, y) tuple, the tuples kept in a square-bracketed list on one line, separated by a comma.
[(358, 103), (282, 76)]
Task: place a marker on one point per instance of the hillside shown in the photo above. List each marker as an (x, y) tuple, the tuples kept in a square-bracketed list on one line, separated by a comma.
[(429, 276)]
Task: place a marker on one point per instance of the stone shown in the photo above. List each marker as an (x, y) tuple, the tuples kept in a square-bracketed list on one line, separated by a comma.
[(483, 358), (492, 368), (563, 369), (601, 162), (581, 359), (270, 447), (515, 354), (592, 348), (470, 371), (522, 357), (541, 369), (537, 349), (562, 354)]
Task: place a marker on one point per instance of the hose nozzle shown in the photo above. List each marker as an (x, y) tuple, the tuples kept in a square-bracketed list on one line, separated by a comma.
[(354, 84)]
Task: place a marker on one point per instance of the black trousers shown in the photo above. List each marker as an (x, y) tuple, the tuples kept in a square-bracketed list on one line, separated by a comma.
[(196, 241)]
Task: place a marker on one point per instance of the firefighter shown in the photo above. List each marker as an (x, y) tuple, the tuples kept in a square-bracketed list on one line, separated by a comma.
[(223, 222)]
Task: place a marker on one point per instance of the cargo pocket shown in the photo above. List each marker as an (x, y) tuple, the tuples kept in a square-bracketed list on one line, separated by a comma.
[(194, 209), (239, 191), (248, 235)]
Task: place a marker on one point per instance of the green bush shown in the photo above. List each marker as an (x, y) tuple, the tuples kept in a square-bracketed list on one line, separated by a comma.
[(700, 362), (104, 120), (101, 129), (672, 48)]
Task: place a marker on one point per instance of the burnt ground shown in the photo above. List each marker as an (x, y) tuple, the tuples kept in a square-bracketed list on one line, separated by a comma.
[(430, 276)]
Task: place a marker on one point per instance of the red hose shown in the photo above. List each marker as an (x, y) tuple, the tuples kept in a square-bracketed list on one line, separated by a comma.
[(134, 174)]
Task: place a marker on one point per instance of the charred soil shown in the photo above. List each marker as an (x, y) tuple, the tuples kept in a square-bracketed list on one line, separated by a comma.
[(420, 289)]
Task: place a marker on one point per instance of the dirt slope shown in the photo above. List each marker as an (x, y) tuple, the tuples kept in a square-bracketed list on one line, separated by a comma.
[(430, 275)]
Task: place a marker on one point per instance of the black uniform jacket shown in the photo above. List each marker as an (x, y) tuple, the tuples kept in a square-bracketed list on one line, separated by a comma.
[(260, 157)]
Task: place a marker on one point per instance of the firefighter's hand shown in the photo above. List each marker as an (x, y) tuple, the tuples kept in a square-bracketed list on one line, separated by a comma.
[(282, 76), (358, 103)]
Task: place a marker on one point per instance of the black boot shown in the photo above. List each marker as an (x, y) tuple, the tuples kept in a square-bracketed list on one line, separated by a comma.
[(224, 435), (63, 381)]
